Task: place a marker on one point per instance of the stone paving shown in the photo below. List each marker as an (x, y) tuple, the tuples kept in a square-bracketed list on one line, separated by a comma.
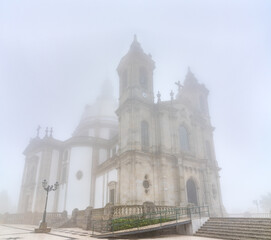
[(21, 232)]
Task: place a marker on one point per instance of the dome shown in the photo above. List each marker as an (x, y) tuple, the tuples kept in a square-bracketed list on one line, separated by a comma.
[(104, 106), (100, 115), (103, 109)]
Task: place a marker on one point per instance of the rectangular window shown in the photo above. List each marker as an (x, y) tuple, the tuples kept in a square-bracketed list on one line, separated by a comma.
[(112, 196)]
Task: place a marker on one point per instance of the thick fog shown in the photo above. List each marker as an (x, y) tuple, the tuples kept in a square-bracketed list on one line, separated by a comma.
[(55, 55)]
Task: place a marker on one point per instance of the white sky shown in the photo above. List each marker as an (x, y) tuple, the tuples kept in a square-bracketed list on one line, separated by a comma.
[(54, 56)]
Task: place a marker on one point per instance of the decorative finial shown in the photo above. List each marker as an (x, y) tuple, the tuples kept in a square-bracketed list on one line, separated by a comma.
[(38, 131), (179, 86), (135, 46), (51, 132), (171, 95), (158, 97), (46, 132)]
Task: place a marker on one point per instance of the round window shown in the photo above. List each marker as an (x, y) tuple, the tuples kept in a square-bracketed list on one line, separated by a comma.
[(79, 175)]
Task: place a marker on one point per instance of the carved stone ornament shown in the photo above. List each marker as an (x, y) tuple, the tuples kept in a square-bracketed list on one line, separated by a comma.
[(146, 183)]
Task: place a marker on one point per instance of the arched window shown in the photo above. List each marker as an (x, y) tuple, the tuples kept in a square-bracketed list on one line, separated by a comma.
[(144, 135), (191, 192), (143, 78), (112, 196), (64, 173), (112, 192), (184, 143)]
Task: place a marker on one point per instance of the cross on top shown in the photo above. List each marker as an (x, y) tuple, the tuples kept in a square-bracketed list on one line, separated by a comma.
[(179, 86), (158, 96), (51, 132)]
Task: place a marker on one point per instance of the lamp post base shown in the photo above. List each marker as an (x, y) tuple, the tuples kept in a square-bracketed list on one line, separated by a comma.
[(42, 228)]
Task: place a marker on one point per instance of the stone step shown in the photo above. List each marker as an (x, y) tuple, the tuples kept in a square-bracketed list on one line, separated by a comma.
[(268, 220), (267, 230), (234, 218), (243, 225), (236, 228), (231, 232), (232, 237)]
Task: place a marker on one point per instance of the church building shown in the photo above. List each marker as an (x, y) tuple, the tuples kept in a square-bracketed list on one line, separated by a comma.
[(139, 149)]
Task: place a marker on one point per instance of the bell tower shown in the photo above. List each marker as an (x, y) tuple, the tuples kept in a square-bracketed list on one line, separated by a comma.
[(136, 99), (136, 75), (136, 126)]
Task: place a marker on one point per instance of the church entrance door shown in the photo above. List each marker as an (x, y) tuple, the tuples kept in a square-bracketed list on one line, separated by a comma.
[(191, 192)]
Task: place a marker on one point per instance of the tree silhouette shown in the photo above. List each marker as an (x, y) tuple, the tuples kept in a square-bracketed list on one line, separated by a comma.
[(265, 202)]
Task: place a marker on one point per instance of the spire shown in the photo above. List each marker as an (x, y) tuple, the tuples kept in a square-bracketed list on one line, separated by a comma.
[(190, 79), (135, 46), (134, 55)]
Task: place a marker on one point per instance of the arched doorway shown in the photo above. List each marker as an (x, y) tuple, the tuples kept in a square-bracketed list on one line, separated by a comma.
[(191, 192)]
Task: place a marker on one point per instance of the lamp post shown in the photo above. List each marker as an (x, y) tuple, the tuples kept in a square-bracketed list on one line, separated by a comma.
[(43, 224)]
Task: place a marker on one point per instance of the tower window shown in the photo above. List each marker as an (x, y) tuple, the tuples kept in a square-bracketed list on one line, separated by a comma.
[(143, 78), (64, 173), (124, 80), (144, 135), (208, 150), (184, 143)]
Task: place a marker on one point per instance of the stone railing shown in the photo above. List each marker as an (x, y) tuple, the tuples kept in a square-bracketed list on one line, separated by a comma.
[(123, 211), (89, 218), (164, 208), (53, 218)]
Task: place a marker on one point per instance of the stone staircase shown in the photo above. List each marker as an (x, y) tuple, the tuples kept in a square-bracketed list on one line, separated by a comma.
[(236, 228)]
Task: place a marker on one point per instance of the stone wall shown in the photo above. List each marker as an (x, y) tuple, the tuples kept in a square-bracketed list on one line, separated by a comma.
[(53, 219)]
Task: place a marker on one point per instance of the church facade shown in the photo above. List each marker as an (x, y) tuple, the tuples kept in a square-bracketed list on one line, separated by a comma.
[(131, 152)]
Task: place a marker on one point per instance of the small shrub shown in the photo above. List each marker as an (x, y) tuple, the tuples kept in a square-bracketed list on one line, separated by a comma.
[(127, 223)]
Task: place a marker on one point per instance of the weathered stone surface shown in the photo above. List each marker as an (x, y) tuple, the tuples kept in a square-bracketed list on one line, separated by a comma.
[(139, 151)]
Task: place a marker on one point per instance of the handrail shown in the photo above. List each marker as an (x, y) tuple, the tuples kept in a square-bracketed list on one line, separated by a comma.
[(149, 218)]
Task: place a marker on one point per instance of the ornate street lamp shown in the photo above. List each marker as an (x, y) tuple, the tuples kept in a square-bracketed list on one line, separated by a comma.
[(43, 223)]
